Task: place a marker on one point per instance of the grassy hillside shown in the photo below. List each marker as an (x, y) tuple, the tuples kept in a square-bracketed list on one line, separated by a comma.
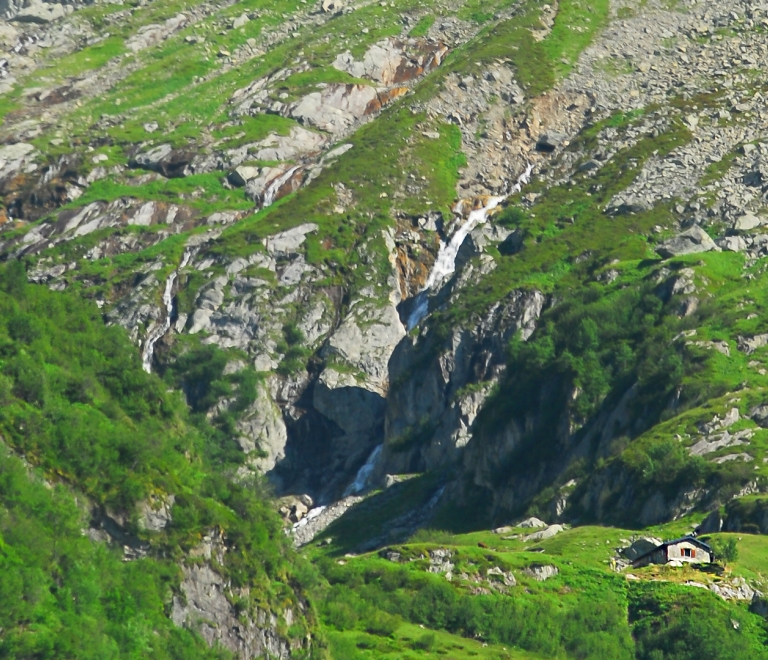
[(399, 600), (87, 432)]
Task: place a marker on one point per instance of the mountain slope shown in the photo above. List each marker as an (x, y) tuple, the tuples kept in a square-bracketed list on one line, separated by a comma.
[(117, 517), (413, 266)]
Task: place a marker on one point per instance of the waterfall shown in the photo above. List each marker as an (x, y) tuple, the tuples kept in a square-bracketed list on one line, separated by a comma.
[(273, 188), (156, 332), (445, 264), (364, 473)]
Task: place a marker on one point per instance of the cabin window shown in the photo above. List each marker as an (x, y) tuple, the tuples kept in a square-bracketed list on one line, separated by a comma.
[(689, 552)]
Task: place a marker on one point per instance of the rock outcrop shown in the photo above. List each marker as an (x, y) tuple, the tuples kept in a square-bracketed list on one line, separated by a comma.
[(204, 605), (431, 409)]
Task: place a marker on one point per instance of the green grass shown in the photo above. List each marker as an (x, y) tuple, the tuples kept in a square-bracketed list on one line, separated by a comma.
[(87, 59), (422, 27), (540, 64), (411, 642), (204, 192), (252, 129), (576, 24), (654, 603)]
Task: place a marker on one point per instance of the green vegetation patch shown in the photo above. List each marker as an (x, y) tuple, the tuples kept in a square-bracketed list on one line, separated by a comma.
[(63, 595), (673, 622), (205, 192), (76, 403)]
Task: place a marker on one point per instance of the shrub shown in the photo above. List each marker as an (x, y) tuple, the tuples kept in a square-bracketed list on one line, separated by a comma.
[(382, 624), (425, 642), (726, 550)]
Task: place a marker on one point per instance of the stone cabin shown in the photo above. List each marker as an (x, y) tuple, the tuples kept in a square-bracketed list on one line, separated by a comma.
[(686, 550)]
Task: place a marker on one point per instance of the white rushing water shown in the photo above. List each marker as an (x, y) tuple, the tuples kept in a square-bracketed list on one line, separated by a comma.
[(445, 264), (273, 188), (364, 473), (156, 332)]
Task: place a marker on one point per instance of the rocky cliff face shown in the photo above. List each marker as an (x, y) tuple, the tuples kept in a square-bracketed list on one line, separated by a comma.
[(206, 605), (442, 383)]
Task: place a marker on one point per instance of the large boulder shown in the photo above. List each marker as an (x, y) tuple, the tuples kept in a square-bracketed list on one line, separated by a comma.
[(692, 241), (165, 160), (288, 242), (339, 106), (299, 143), (40, 12), (366, 340), (549, 141), (747, 222), (640, 547), (17, 158), (759, 415), (541, 572), (544, 534)]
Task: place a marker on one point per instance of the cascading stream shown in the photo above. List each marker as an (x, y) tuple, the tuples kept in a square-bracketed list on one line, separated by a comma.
[(364, 473), (156, 332), (445, 264)]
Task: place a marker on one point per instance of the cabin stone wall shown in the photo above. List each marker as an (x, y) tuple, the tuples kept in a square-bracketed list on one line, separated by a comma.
[(683, 551), (688, 552)]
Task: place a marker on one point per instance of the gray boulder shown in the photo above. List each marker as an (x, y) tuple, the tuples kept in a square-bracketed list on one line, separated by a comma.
[(733, 244), (243, 174), (165, 160), (749, 345), (549, 141), (759, 415), (692, 241), (544, 534), (541, 572), (41, 12), (299, 143), (337, 107), (747, 222), (640, 547), (288, 242), (332, 5), (512, 244), (16, 157), (155, 513)]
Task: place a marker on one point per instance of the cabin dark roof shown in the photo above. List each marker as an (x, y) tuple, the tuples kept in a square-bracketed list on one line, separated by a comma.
[(688, 539)]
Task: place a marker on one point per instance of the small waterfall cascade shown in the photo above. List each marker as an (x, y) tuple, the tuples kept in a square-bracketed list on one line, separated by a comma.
[(157, 331), (445, 264), (364, 473), (271, 192)]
